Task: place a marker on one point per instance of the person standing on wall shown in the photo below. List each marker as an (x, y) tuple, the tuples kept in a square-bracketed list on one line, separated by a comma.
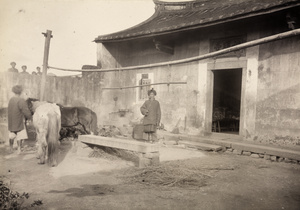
[(151, 111), (39, 70), (13, 67), (18, 111), (24, 68)]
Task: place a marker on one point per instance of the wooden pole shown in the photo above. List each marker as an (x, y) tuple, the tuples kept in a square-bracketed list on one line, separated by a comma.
[(256, 42), (48, 37), (136, 86)]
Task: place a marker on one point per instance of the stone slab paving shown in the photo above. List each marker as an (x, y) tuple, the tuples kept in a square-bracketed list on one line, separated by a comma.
[(238, 145)]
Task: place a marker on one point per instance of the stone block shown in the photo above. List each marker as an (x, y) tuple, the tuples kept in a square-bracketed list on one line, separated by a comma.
[(295, 161), (287, 160), (261, 155), (155, 161), (202, 146), (143, 161), (151, 155), (229, 150), (148, 159), (237, 152), (246, 153), (170, 142), (280, 159), (274, 158), (270, 150), (254, 155), (267, 157)]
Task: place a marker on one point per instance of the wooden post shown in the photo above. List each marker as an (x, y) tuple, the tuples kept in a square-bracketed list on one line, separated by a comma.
[(48, 36)]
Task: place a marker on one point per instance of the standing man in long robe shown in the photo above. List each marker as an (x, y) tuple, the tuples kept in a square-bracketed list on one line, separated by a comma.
[(151, 111), (18, 112)]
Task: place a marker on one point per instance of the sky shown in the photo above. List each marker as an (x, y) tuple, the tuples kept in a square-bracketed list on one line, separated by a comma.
[(74, 25)]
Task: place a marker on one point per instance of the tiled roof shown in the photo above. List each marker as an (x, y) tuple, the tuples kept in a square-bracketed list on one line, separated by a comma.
[(177, 16)]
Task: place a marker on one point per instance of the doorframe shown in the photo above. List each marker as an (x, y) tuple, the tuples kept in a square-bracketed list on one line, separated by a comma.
[(228, 63)]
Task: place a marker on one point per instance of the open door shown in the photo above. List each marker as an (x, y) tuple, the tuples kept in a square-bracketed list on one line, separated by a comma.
[(227, 101)]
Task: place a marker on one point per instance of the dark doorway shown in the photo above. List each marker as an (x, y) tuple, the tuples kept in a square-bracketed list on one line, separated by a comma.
[(227, 100)]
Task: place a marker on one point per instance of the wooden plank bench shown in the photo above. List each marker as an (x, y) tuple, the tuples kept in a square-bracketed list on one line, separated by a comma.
[(148, 153)]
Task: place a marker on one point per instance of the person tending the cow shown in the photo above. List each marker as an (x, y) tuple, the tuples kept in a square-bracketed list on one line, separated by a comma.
[(18, 111), (151, 111)]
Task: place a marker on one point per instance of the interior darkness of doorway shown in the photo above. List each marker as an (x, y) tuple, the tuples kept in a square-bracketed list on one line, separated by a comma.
[(227, 100)]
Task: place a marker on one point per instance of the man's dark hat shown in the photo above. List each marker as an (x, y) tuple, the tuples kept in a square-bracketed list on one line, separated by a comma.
[(17, 89), (151, 91)]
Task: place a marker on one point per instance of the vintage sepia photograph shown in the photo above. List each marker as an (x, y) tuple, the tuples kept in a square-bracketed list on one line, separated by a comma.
[(149, 104)]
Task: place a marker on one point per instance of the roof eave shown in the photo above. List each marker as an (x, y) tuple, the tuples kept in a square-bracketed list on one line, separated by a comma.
[(226, 20)]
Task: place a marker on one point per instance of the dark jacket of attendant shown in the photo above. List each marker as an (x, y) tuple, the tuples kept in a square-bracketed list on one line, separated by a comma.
[(151, 110), (17, 110)]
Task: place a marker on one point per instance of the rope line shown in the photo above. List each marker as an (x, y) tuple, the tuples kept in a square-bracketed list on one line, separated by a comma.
[(136, 86)]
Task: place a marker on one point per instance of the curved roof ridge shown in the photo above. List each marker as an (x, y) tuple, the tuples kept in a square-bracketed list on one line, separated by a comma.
[(170, 17), (154, 15)]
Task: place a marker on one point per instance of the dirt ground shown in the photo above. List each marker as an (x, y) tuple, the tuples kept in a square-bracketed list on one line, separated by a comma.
[(81, 182)]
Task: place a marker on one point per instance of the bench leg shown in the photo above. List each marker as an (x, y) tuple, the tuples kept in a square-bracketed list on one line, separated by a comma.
[(149, 159)]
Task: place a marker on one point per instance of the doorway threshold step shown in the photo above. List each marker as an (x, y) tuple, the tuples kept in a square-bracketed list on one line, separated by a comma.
[(202, 146)]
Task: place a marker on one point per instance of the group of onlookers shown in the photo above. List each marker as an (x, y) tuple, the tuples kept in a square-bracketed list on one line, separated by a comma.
[(24, 69)]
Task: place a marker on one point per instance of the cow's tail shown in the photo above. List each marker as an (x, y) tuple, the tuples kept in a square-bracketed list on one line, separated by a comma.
[(53, 138)]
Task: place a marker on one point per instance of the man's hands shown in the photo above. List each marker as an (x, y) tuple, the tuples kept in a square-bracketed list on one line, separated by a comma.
[(157, 125), (146, 112), (28, 122)]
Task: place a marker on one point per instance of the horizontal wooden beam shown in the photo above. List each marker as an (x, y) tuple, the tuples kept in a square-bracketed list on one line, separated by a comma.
[(256, 42), (126, 144), (136, 86)]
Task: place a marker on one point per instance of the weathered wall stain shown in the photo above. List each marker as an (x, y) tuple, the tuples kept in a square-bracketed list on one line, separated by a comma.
[(278, 102)]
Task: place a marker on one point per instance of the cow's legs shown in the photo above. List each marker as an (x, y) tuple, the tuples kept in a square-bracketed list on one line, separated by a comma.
[(42, 159), (46, 153), (42, 153)]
